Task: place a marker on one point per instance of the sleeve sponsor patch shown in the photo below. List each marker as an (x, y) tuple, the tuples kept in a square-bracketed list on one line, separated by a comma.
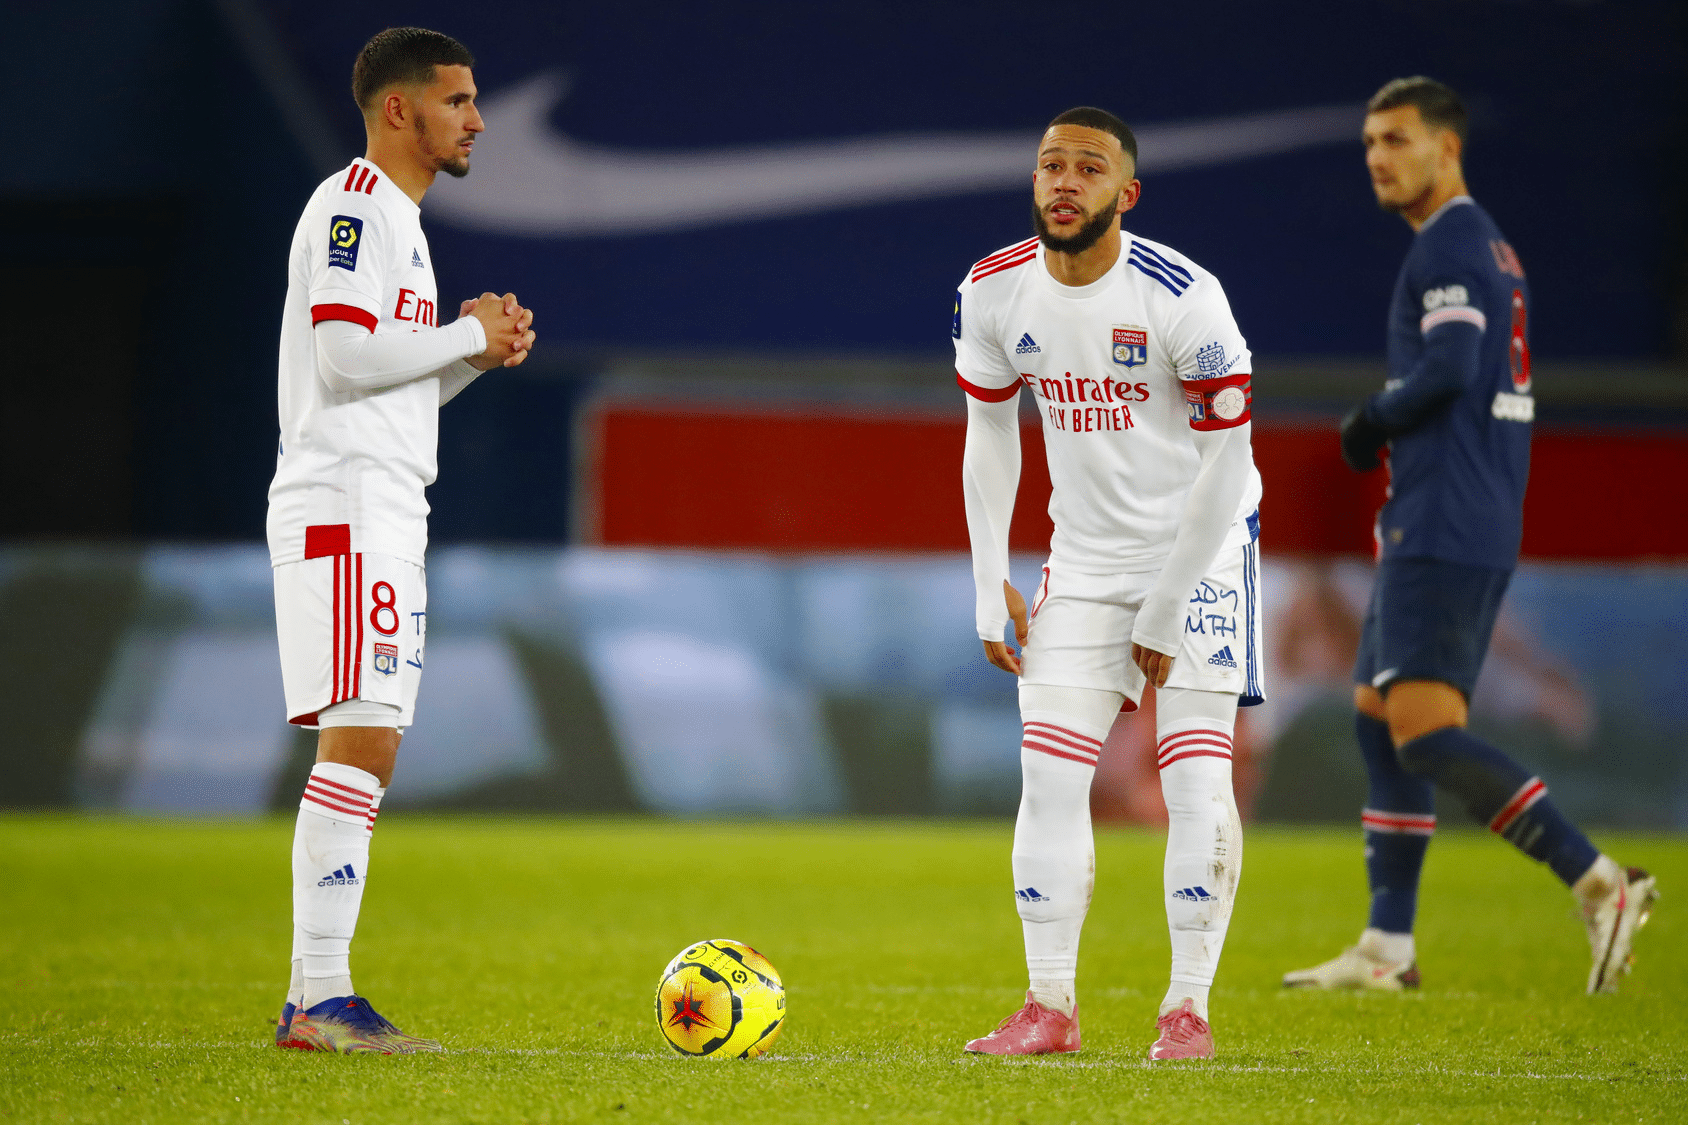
[(955, 322), (1219, 404), (1445, 296), (345, 236)]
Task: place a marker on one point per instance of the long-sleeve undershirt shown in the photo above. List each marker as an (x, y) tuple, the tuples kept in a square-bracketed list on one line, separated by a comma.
[(351, 358), (1209, 513), (1447, 366)]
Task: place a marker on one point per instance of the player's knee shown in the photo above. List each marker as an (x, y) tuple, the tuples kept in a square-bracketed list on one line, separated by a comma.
[(1419, 707)]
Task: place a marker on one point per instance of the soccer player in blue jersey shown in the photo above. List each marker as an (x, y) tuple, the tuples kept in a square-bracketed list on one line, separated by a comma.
[(1456, 415)]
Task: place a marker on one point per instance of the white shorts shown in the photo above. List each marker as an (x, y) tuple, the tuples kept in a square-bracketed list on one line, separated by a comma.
[(350, 627), (1081, 631)]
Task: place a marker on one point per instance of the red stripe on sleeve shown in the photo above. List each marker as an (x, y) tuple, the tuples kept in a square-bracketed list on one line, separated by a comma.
[(320, 313), (370, 188), (351, 174), (987, 394)]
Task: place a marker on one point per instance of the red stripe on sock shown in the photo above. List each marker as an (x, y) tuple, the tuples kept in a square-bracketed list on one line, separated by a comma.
[(329, 795), (319, 780), (1054, 753), (1068, 742), (335, 806), (1226, 735), (1528, 794), (1192, 754)]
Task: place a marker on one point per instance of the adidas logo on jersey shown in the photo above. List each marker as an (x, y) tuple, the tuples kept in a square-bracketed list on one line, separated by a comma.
[(416, 258), (1026, 345), (1029, 894), (344, 877), (1195, 894), (1223, 658)]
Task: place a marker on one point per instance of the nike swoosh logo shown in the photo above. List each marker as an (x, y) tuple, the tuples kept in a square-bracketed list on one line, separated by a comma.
[(529, 180)]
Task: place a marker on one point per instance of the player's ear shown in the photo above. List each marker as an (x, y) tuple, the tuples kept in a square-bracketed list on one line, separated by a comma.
[(1128, 196), (395, 110)]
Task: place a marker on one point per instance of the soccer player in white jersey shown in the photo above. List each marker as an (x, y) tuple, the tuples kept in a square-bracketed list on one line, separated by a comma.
[(1141, 379), (365, 367)]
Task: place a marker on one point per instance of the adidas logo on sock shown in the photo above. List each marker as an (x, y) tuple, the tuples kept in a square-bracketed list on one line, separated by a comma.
[(1223, 658), (416, 258), (1026, 344), (1029, 894), (1194, 894), (344, 877)]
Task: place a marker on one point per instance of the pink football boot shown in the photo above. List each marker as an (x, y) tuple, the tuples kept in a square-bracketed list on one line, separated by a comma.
[(1183, 1035), (1033, 1030)]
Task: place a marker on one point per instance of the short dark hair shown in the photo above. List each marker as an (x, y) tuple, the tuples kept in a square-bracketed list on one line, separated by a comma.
[(1437, 104), (403, 56), (1090, 117)]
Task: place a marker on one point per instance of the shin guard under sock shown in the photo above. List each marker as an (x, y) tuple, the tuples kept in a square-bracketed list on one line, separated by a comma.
[(1054, 854), (1204, 839), (1500, 793), (330, 865), (1399, 819)]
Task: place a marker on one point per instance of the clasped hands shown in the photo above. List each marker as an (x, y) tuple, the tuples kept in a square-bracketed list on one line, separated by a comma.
[(508, 327)]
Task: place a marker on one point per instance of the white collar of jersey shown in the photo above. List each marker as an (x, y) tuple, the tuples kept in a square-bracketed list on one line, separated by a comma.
[(1437, 214), (1080, 292)]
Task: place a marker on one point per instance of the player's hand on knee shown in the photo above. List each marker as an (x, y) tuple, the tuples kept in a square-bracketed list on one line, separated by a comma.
[(1156, 666), (506, 339), (1361, 439)]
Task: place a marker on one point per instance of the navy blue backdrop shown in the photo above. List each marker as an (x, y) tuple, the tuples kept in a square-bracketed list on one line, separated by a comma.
[(1576, 105)]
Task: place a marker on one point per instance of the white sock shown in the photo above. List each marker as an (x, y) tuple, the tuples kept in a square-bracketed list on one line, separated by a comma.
[(1381, 945), (1204, 836), (1598, 881), (330, 865), (1054, 853)]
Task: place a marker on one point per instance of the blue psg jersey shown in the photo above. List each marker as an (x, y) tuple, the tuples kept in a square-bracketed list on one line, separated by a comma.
[(1458, 471)]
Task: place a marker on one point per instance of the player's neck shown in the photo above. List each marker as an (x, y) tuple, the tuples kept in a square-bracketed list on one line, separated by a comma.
[(1086, 266), (402, 168), (1451, 186)]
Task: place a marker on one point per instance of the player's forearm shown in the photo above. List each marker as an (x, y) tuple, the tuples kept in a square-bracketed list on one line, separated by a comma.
[(1208, 515), (456, 376), (351, 358), (990, 476), (1448, 364)]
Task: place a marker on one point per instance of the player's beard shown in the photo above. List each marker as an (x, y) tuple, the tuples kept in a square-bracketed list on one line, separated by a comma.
[(454, 166), (1084, 237)]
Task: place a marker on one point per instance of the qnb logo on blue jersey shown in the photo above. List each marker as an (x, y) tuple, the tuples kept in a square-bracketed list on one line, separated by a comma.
[(1030, 894), (1223, 658), (344, 877), (1195, 894), (1026, 345)]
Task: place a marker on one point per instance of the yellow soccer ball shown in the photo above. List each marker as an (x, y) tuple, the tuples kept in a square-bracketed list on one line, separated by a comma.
[(720, 999)]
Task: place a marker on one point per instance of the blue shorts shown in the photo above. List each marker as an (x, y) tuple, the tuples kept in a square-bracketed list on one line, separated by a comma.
[(1429, 620)]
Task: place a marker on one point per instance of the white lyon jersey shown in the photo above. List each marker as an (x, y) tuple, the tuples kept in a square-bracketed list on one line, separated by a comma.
[(352, 466), (1121, 371)]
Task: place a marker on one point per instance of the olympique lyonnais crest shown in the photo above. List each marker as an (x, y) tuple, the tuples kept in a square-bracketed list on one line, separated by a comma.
[(1131, 347), (386, 659)]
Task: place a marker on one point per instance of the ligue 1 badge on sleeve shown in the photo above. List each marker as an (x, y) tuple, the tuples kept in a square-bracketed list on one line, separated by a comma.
[(386, 659), (1131, 346), (345, 232)]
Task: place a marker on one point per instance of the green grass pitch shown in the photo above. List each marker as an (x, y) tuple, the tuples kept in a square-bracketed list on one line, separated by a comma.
[(144, 963)]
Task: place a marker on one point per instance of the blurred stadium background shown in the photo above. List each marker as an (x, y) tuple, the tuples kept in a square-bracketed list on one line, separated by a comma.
[(705, 553)]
